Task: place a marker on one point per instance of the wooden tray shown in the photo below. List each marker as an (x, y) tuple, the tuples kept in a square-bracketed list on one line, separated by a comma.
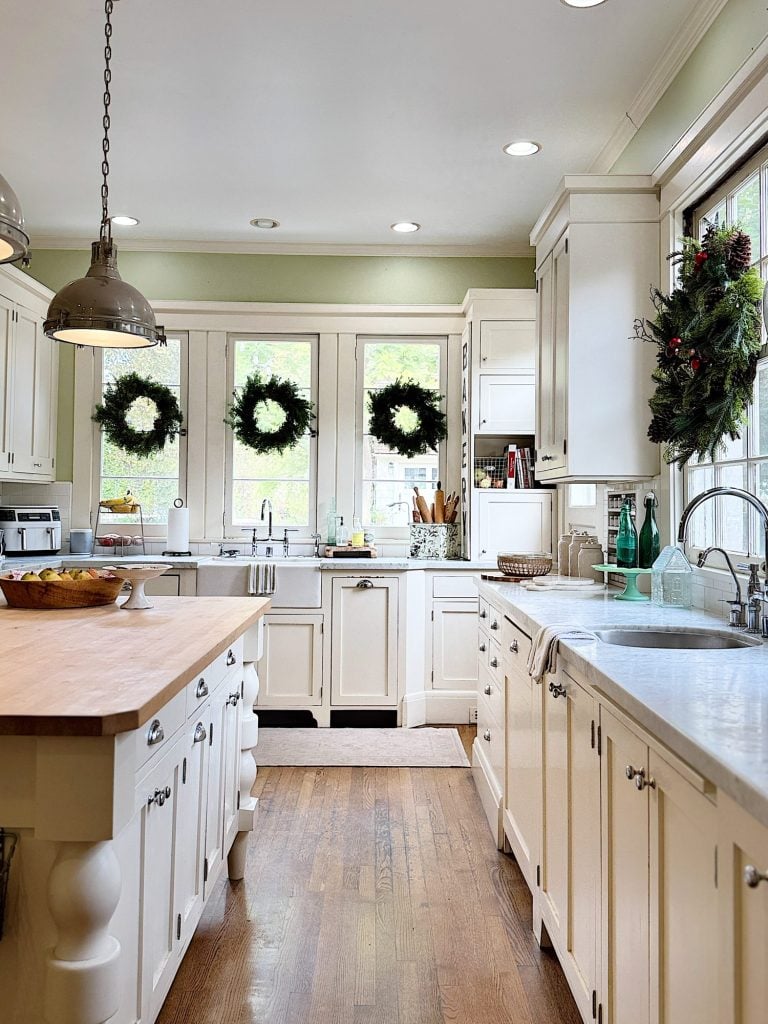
[(60, 593), (500, 577), (349, 552)]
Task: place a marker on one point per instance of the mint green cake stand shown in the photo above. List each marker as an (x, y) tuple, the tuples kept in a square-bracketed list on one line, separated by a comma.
[(630, 591)]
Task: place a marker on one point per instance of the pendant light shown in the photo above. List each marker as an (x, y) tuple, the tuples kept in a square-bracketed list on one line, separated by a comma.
[(14, 241), (100, 310)]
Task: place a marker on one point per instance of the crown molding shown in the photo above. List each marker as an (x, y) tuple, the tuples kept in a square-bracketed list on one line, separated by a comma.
[(512, 249), (665, 71)]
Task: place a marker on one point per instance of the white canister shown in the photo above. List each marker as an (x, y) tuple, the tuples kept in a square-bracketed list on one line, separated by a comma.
[(178, 528), (590, 554), (563, 546), (573, 551)]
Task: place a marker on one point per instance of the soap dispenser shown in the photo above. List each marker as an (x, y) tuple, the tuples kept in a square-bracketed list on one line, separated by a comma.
[(342, 534)]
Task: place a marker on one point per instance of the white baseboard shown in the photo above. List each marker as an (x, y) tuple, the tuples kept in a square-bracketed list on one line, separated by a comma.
[(431, 707)]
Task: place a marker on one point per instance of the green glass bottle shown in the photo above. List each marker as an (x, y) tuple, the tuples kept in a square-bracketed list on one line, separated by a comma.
[(626, 541), (650, 544)]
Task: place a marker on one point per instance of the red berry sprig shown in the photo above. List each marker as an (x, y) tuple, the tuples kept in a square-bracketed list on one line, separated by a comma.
[(700, 259)]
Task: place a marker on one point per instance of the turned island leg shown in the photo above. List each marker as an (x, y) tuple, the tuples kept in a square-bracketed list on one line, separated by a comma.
[(83, 972), (248, 803)]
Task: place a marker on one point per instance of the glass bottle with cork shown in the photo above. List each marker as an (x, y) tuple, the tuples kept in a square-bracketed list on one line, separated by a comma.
[(626, 541), (650, 545)]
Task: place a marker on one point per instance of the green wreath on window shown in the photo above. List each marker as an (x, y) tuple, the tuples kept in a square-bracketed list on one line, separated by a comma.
[(243, 414), (112, 415), (430, 428)]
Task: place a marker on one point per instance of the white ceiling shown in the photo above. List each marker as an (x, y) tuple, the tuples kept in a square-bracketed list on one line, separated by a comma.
[(335, 118)]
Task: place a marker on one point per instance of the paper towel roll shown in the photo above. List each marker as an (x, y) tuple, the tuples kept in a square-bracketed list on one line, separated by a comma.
[(178, 528)]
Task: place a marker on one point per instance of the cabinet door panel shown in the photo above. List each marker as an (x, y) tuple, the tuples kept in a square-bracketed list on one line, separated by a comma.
[(24, 340), (684, 906), (514, 522), (454, 635), (508, 345), (232, 721), (625, 889), (545, 367), (190, 825), (560, 356), (364, 642), (554, 853), (523, 788), (6, 398), (214, 817), (507, 404), (290, 669)]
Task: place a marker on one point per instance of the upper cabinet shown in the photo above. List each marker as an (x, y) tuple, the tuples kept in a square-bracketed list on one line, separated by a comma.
[(28, 383), (597, 257)]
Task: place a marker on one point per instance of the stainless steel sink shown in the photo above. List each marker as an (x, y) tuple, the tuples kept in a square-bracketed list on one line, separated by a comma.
[(679, 640)]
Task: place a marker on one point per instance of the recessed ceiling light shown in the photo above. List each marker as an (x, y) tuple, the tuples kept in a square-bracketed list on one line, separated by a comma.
[(405, 227), (582, 3), (267, 223), (522, 148), (124, 221)]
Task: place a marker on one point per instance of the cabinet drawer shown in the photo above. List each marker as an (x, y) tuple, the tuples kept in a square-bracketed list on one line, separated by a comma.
[(483, 610), (454, 586), (157, 733), (35, 465), (490, 735), (495, 619), (493, 694), (494, 661), (515, 647)]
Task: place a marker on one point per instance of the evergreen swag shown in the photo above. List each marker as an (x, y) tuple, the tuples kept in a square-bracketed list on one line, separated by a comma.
[(118, 399), (708, 337), (243, 419), (430, 429)]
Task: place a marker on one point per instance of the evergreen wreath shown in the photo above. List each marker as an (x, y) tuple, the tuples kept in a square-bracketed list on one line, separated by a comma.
[(118, 398), (242, 414), (430, 429), (707, 332)]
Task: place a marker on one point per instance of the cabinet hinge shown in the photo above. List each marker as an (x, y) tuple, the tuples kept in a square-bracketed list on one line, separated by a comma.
[(322, 628), (715, 867), (205, 870), (178, 926), (592, 735), (566, 245), (594, 1004), (599, 741), (600, 1013), (210, 736), (238, 799), (565, 446), (538, 875), (432, 675), (184, 771), (537, 286), (432, 616)]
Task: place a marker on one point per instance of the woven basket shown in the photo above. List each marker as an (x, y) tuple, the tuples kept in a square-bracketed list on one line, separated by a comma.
[(538, 564)]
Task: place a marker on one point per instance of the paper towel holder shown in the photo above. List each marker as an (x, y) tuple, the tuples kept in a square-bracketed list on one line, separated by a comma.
[(177, 503)]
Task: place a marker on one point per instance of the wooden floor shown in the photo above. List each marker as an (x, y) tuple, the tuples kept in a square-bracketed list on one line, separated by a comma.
[(373, 896)]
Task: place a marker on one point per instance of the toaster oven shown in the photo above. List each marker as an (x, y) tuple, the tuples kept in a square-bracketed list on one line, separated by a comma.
[(30, 529)]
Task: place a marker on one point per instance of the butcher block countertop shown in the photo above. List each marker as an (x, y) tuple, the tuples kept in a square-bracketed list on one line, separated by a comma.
[(102, 671)]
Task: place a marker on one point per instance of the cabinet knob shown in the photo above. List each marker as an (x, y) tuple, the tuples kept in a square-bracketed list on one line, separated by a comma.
[(159, 796), (641, 782), (156, 733), (514, 647), (494, 662), (364, 585), (483, 614), (483, 647), (487, 735), (547, 458), (494, 624), (233, 698), (201, 689), (630, 772), (557, 690), (200, 733), (231, 659), (487, 690), (753, 877)]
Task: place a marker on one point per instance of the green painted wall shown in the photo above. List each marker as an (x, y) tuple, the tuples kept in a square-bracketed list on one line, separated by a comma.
[(224, 277), (739, 28)]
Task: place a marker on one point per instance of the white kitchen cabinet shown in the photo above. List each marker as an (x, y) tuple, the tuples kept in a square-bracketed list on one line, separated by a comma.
[(7, 322), (364, 641), (189, 875), (507, 403), (31, 406), (214, 810), (508, 345), (233, 687), (290, 670), (454, 632), (512, 521), (597, 256), (489, 746)]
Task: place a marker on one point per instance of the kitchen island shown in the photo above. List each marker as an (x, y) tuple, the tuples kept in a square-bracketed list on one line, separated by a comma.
[(125, 779)]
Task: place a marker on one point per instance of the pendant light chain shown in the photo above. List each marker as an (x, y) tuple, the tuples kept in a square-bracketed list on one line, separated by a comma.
[(105, 234)]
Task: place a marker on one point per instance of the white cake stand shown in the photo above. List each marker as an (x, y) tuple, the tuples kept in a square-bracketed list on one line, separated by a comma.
[(137, 576)]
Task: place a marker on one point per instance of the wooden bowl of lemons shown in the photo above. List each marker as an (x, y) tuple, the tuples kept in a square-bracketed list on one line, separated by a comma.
[(54, 588)]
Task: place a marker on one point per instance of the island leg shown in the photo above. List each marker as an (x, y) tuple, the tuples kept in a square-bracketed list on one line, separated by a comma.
[(83, 972), (248, 802)]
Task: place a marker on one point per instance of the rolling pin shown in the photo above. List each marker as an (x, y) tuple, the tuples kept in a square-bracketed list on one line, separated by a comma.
[(439, 504), (423, 507)]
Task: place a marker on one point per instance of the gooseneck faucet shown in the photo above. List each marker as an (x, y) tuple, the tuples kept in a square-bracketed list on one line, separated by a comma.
[(738, 617), (267, 504), (757, 600)]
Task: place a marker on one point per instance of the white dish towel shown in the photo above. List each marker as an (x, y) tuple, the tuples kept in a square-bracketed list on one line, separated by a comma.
[(543, 654)]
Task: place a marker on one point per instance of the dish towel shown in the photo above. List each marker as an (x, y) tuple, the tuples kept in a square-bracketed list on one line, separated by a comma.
[(252, 580), (543, 654)]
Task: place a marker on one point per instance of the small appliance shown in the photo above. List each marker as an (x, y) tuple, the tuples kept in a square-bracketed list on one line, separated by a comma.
[(30, 529)]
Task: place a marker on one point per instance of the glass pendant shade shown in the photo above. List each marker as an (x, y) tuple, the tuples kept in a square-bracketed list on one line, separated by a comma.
[(14, 241), (100, 310)]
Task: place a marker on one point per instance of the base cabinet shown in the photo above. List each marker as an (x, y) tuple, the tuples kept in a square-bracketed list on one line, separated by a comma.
[(364, 648), (454, 629), (291, 668)]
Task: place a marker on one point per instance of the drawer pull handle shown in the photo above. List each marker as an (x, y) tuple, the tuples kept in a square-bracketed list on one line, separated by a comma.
[(231, 659), (156, 733), (556, 690), (202, 689), (483, 614), (364, 585), (200, 733), (483, 647), (494, 662), (514, 647), (753, 877), (638, 776), (233, 698), (159, 796), (494, 624), (487, 690), (487, 735)]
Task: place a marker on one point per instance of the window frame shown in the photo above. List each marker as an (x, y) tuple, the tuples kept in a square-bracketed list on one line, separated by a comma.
[(232, 531), (394, 533), (151, 530)]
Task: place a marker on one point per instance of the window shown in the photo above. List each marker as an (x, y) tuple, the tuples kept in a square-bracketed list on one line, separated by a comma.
[(157, 479), (728, 522), (386, 479), (287, 480)]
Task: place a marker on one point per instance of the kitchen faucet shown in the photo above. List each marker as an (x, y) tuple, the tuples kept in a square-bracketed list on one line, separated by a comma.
[(738, 617), (396, 504), (267, 503), (252, 530), (757, 601)]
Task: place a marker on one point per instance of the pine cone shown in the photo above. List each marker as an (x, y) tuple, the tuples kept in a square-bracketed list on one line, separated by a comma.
[(658, 431), (739, 255)]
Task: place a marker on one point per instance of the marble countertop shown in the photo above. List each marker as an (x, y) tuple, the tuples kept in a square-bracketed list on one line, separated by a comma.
[(708, 707)]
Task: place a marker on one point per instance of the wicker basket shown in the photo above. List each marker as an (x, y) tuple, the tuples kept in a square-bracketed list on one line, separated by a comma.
[(50, 594), (538, 564)]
